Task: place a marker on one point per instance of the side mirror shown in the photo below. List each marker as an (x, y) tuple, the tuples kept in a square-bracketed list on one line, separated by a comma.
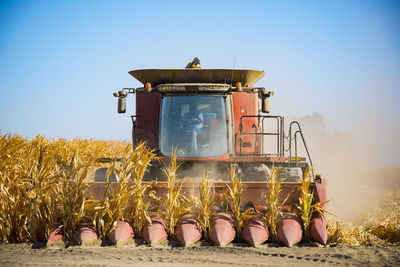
[(265, 95), (121, 100), (121, 104), (265, 104)]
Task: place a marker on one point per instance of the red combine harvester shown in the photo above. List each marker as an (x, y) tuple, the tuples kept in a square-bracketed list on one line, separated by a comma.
[(215, 118)]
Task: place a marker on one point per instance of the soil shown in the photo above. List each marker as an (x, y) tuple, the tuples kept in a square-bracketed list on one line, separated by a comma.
[(201, 255)]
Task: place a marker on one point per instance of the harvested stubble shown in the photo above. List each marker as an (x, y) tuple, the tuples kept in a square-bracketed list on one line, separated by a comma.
[(350, 233), (381, 225), (388, 208)]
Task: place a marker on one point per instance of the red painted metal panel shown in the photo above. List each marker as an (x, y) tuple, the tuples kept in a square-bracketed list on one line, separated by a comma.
[(263, 159), (122, 232), (222, 231), (188, 230), (246, 103), (289, 230), (255, 191), (318, 231), (155, 232), (255, 232), (87, 234), (56, 234), (147, 118)]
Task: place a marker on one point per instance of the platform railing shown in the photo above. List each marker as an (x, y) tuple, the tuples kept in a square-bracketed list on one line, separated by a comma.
[(293, 136), (279, 133)]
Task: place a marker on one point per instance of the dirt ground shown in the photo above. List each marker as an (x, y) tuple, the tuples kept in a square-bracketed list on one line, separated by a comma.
[(201, 255)]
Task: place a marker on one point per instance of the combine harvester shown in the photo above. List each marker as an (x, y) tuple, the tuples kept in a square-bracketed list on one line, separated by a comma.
[(215, 118)]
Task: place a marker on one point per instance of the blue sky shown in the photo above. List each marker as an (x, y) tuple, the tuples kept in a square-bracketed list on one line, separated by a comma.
[(60, 61)]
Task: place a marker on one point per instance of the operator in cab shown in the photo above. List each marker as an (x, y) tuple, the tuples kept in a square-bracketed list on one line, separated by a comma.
[(193, 120)]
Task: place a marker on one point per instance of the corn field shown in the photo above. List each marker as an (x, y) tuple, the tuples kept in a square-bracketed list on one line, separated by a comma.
[(44, 182)]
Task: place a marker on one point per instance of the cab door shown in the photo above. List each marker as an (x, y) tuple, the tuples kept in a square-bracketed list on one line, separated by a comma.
[(246, 139), (146, 120)]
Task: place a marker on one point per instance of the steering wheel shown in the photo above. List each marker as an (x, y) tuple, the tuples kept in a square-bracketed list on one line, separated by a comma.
[(194, 120)]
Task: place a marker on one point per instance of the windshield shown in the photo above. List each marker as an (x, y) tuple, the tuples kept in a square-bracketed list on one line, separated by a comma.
[(195, 125)]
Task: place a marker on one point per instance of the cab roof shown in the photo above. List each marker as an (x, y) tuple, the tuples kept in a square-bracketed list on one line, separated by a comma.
[(222, 76)]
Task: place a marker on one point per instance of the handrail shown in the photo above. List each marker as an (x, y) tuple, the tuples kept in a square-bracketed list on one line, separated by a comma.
[(299, 131), (279, 133), (281, 138)]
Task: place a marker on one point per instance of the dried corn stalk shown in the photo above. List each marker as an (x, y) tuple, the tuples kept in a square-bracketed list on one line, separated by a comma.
[(43, 186), (13, 195), (31, 176), (350, 233), (137, 211), (203, 206), (116, 196), (383, 220), (308, 206), (274, 205), (78, 207), (233, 194), (173, 204)]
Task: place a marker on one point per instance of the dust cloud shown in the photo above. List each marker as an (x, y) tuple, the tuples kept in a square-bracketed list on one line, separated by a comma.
[(355, 180)]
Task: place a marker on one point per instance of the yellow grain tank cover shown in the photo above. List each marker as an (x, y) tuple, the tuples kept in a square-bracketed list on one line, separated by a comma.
[(222, 76)]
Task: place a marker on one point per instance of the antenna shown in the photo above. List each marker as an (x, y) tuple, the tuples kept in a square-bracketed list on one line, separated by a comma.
[(233, 69)]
